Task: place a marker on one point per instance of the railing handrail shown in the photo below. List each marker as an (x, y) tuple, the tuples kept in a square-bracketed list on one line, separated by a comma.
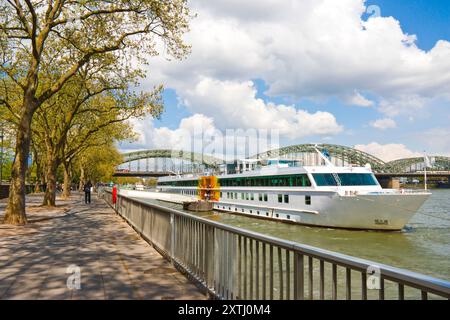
[(413, 279)]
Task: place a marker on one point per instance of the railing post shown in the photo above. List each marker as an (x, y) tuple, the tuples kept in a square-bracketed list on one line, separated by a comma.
[(216, 255), (173, 231), (299, 293), (210, 257)]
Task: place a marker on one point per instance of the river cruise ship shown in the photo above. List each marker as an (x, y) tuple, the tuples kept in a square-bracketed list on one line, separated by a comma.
[(324, 195)]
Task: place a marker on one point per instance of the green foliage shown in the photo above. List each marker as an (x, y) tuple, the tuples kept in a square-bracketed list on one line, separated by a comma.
[(99, 162), (61, 58), (125, 180)]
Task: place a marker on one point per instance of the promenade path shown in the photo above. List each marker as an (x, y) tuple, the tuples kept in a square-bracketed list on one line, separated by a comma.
[(114, 262)]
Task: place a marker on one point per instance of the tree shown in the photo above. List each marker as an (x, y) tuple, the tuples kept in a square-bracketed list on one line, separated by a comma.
[(89, 103), (6, 149), (81, 143), (67, 35), (99, 162)]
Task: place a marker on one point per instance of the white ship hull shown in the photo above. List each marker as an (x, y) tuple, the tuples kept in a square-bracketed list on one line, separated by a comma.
[(389, 212), (324, 196)]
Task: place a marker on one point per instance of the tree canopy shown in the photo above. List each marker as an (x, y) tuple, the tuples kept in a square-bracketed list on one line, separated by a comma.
[(47, 46)]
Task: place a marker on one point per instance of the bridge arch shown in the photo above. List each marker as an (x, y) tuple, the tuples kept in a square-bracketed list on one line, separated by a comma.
[(410, 165), (340, 155), (163, 162), (172, 154)]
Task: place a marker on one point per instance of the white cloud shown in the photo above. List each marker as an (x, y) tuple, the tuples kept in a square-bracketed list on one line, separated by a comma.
[(409, 104), (357, 99), (235, 105), (383, 124), (198, 133), (181, 138), (388, 152), (310, 48), (318, 49)]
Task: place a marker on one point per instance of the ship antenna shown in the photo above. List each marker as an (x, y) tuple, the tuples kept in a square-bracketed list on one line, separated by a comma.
[(327, 161)]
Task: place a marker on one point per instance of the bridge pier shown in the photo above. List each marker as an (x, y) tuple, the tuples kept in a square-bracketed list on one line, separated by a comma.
[(387, 182)]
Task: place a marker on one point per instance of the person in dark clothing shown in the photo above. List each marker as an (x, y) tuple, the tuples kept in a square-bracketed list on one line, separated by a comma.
[(87, 192)]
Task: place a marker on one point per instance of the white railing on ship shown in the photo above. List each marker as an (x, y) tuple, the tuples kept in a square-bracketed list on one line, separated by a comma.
[(233, 263)]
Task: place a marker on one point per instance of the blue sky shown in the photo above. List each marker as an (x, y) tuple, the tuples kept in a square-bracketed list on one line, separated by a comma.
[(428, 19), (372, 88)]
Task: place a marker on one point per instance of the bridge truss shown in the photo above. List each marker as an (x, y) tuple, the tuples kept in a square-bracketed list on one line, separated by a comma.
[(165, 161)]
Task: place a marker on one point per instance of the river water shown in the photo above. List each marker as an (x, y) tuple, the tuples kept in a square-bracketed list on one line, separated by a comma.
[(424, 245)]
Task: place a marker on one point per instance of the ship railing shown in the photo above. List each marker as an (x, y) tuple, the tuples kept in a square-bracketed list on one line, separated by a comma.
[(233, 263)]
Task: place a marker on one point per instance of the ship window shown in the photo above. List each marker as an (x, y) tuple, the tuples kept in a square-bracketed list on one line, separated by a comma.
[(277, 215), (286, 198), (357, 179), (288, 217), (308, 200), (242, 196), (267, 214), (247, 196), (251, 211), (252, 196), (257, 212), (324, 179), (280, 198), (260, 197), (265, 197), (235, 195), (302, 181)]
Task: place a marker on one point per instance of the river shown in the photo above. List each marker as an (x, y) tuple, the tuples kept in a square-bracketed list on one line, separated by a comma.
[(424, 245)]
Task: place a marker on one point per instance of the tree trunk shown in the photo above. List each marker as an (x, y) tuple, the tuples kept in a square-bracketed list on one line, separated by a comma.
[(15, 210), (67, 181), (50, 192), (81, 178)]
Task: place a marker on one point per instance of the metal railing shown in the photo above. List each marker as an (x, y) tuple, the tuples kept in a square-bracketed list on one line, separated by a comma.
[(232, 263)]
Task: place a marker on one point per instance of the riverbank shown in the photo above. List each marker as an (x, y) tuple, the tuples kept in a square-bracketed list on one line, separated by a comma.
[(43, 259)]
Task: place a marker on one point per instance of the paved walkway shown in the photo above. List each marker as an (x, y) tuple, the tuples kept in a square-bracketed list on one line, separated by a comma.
[(114, 262)]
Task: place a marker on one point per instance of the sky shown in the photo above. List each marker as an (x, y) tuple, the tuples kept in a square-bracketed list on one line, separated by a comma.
[(371, 74)]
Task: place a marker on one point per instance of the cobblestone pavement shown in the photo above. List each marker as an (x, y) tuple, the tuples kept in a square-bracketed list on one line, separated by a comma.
[(113, 261)]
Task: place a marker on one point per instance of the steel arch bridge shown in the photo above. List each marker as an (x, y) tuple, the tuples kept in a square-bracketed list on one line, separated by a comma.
[(340, 155), (195, 162), (411, 165), (172, 154)]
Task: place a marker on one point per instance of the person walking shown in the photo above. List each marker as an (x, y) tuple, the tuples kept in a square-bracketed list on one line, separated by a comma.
[(87, 192)]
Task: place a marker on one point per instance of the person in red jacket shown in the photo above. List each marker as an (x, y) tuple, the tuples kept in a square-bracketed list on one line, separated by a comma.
[(114, 194)]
